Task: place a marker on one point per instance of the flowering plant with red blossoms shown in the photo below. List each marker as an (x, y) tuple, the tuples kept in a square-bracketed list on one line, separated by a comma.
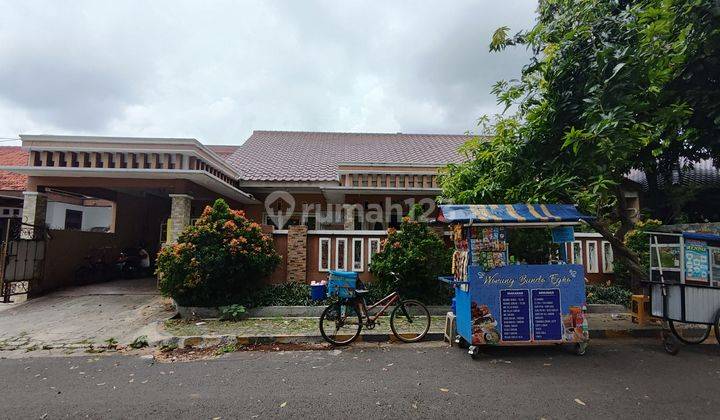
[(217, 260)]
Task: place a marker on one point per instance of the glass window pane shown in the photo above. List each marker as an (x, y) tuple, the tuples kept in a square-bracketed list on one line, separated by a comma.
[(669, 256), (357, 254), (608, 258)]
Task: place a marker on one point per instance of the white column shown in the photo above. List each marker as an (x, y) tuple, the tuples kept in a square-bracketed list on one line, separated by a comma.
[(179, 215), (34, 212)]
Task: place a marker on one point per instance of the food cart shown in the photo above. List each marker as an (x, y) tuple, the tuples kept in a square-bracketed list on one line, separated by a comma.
[(500, 301), (684, 286)]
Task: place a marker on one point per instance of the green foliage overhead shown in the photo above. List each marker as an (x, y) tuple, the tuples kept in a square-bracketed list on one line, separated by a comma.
[(612, 86), (218, 260), (419, 256)]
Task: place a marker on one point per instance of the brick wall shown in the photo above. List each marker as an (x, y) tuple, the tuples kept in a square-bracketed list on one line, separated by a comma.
[(297, 253)]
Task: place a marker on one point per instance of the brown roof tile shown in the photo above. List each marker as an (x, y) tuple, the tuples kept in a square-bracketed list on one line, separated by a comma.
[(314, 156), (222, 150), (12, 156)]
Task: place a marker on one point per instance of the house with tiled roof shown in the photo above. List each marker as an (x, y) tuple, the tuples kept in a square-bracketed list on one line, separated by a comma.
[(327, 198)]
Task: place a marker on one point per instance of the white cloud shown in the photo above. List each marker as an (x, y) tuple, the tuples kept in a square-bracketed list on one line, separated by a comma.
[(217, 70)]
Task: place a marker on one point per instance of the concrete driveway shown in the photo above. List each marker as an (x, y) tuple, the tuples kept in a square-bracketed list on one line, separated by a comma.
[(81, 316)]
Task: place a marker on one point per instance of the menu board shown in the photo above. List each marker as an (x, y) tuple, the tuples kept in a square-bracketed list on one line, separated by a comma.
[(547, 322), (523, 304), (515, 315), (697, 262)]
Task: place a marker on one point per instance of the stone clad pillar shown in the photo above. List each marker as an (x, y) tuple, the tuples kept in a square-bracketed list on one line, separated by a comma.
[(179, 215), (34, 212), (297, 253), (349, 221)]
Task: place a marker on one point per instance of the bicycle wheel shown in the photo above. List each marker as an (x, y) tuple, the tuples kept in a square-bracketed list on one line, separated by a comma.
[(717, 326), (410, 321), (340, 323), (691, 333)]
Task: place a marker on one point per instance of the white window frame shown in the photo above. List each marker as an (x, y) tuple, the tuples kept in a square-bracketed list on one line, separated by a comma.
[(320, 255), (604, 257), (337, 253), (362, 255), (572, 252), (653, 254), (370, 253), (588, 266)]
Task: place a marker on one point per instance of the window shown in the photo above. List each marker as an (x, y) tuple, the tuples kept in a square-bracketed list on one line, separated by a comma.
[(73, 219), (608, 258), (341, 254), (357, 254), (591, 262), (373, 248), (324, 254), (576, 255)]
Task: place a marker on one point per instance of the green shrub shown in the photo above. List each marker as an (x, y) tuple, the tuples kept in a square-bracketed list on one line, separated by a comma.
[(232, 312), (419, 256), (284, 294), (617, 295), (217, 261)]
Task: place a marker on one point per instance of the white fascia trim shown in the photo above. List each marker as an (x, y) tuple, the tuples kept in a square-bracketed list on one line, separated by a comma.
[(213, 157), (200, 177), (399, 164), (390, 190), (381, 172), (587, 235), (348, 232)]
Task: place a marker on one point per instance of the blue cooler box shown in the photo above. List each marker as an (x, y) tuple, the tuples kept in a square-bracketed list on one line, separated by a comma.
[(342, 284)]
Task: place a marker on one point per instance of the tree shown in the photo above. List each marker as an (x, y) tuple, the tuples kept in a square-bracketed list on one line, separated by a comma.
[(611, 86), (419, 256), (218, 260)]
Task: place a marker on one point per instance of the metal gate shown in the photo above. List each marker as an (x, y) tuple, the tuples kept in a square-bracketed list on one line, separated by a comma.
[(22, 256)]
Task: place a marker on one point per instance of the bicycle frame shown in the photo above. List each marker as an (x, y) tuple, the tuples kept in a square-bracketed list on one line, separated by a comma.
[(387, 302)]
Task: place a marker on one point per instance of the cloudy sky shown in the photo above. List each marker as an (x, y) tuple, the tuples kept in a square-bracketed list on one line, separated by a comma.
[(216, 70)]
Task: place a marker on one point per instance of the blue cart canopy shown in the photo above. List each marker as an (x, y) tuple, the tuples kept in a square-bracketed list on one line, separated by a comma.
[(511, 214)]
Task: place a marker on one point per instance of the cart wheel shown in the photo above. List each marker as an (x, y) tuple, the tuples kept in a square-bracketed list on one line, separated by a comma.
[(461, 342), (581, 348), (474, 352), (670, 343), (717, 326)]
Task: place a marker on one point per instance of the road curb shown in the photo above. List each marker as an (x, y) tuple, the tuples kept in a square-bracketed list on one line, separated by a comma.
[(223, 340)]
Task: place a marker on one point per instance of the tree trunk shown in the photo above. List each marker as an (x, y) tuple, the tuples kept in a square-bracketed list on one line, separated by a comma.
[(626, 254)]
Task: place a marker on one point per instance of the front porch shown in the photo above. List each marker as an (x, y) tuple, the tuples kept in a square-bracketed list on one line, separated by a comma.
[(99, 197)]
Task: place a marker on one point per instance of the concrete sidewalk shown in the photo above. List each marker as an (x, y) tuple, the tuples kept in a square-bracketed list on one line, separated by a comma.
[(84, 316)]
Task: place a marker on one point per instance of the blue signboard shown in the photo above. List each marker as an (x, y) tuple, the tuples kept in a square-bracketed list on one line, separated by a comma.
[(515, 315), (562, 234), (547, 319), (523, 303)]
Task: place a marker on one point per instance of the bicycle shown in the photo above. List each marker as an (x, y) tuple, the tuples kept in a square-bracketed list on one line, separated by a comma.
[(342, 321)]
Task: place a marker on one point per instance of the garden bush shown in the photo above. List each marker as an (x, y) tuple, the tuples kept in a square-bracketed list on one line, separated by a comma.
[(419, 256), (637, 240), (283, 294), (216, 261), (618, 295)]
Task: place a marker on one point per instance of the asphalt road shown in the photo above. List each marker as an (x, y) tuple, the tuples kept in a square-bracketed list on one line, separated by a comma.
[(624, 378)]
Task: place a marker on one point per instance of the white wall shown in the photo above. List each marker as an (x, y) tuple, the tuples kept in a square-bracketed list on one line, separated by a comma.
[(92, 216)]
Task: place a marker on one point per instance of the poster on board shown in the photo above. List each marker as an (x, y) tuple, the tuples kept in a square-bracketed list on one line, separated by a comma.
[(697, 261)]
